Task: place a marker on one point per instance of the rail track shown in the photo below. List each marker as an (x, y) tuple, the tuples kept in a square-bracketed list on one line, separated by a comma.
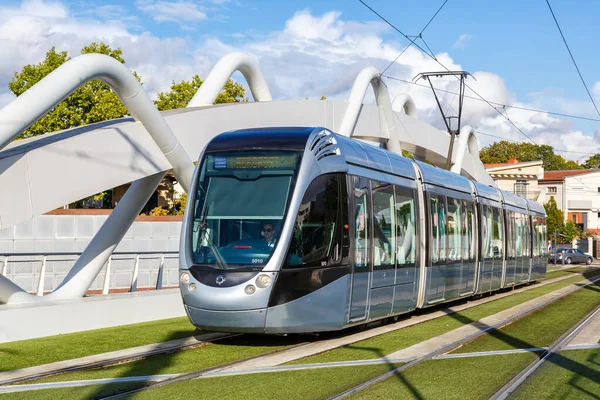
[(454, 345), (257, 358), (560, 343)]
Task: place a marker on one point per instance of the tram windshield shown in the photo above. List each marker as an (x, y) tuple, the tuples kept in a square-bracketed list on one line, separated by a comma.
[(239, 205)]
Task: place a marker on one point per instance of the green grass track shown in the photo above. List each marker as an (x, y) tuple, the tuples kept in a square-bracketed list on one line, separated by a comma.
[(542, 327), (388, 343), (28, 353), (571, 374), (291, 385)]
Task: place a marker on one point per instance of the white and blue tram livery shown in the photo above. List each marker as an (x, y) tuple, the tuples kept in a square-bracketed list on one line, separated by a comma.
[(292, 230)]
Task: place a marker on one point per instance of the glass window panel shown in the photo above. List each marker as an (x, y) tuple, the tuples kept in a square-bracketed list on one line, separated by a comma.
[(435, 231), (233, 202), (454, 230), (316, 240), (384, 225), (361, 223), (405, 226), (442, 225), (497, 233)]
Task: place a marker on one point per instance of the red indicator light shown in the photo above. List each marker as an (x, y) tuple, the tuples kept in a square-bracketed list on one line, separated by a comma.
[(242, 247)]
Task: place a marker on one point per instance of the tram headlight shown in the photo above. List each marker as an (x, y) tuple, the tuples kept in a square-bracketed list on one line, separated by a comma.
[(192, 287), (250, 289), (263, 281), (185, 278)]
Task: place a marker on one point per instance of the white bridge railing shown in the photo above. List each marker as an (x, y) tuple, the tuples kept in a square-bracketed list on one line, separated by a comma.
[(40, 273)]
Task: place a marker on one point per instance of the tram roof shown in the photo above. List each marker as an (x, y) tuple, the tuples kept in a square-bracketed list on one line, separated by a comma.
[(488, 192), (536, 207), (514, 200), (280, 138), (370, 156), (443, 178)]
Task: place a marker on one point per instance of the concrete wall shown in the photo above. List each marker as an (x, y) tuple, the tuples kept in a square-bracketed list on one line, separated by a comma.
[(72, 233)]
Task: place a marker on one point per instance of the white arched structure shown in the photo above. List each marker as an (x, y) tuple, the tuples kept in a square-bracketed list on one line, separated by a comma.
[(223, 70), (371, 77), (46, 172), (403, 102), (466, 141)]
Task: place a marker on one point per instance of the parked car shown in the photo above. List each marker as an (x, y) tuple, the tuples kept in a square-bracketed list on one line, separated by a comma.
[(569, 256)]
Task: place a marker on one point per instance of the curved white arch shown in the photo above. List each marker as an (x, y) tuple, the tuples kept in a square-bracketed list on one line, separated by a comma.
[(39, 99), (403, 102), (366, 77), (467, 140), (23, 111), (222, 71)]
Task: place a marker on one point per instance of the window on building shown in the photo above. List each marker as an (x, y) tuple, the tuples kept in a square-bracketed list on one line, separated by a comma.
[(599, 215), (552, 189), (575, 218), (521, 187), (599, 190)]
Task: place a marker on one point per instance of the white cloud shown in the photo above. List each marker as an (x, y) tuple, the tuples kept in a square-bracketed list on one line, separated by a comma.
[(461, 43), (312, 55), (171, 11)]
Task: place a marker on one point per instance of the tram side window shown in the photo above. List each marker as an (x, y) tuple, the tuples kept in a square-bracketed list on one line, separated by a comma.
[(317, 237), (438, 228), (498, 234), (405, 226), (511, 239), (360, 191), (468, 234), (487, 227), (384, 224), (454, 230)]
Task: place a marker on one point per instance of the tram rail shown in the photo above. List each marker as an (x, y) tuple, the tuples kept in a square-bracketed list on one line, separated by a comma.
[(560, 343), (213, 371), (454, 345)]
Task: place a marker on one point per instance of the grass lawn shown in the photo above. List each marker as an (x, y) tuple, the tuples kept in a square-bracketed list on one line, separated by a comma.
[(460, 379), (572, 374), (542, 327), (290, 385), (87, 392), (27, 353), (390, 342), (221, 352)]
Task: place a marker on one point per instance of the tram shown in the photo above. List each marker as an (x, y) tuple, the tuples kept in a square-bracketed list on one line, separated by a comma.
[(294, 230)]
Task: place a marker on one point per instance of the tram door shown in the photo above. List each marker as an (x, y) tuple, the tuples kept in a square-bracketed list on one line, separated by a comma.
[(359, 293)]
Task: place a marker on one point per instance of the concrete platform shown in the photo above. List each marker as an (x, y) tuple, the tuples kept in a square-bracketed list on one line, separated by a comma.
[(36, 320), (588, 335)]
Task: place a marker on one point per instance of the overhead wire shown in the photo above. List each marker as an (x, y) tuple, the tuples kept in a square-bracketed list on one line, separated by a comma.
[(572, 58), (443, 66), (496, 103), (412, 41)]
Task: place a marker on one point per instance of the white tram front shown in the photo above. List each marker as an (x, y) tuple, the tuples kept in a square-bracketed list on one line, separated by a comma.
[(291, 230)]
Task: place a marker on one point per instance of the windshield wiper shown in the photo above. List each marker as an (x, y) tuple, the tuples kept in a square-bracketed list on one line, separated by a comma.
[(206, 237)]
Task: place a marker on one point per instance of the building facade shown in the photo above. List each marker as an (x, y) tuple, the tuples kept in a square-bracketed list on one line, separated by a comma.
[(577, 194), (520, 178)]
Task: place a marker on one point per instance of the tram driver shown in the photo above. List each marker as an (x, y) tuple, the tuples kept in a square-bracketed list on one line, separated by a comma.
[(268, 234)]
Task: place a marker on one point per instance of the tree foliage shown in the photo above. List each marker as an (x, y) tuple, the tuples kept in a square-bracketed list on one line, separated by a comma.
[(593, 162), (181, 93), (93, 102), (570, 231), (501, 152), (555, 218)]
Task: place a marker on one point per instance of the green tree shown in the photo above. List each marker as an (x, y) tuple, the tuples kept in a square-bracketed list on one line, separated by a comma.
[(93, 102), (501, 152), (570, 231), (181, 93), (593, 162), (555, 218)]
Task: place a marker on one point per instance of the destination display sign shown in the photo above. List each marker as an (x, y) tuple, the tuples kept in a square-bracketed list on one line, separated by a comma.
[(255, 162)]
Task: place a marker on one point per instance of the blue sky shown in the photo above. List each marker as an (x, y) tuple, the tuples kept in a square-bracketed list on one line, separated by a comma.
[(309, 48)]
